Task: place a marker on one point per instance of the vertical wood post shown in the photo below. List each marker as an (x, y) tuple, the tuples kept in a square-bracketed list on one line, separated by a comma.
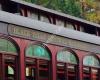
[(22, 60), (54, 74), (80, 70), (37, 69)]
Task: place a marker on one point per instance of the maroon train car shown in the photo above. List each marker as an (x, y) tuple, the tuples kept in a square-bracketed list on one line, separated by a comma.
[(37, 43)]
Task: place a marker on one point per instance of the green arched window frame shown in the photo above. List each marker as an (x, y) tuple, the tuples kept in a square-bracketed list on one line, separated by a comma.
[(91, 61), (66, 56), (38, 51), (7, 46)]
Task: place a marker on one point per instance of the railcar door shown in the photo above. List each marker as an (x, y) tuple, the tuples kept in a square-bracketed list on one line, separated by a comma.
[(10, 67), (30, 69), (72, 72), (37, 69), (61, 71), (66, 71), (91, 68), (67, 65), (94, 74), (37, 63), (86, 73), (44, 70)]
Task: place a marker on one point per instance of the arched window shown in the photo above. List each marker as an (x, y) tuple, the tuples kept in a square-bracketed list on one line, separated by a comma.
[(7, 46), (91, 61), (37, 51), (37, 61), (91, 67), (66, 56), (66, 65)]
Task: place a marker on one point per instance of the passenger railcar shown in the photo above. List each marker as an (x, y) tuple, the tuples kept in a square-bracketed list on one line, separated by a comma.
[(41, 44)]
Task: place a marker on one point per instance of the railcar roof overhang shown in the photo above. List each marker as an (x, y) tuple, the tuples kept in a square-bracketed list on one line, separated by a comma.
[(56, 13)]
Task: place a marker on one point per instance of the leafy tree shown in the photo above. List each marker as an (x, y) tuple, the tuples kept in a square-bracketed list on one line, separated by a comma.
[(91, 11), (61, 4), (66, 6), (73, 8), (52, 4)]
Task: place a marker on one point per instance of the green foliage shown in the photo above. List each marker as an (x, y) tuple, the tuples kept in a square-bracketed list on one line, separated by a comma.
[(93, 17), (66, 6), (61, 4), (52, 4), (73, 8), (91, 11)]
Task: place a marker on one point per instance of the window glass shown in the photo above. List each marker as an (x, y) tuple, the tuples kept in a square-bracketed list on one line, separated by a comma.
[(66, 56), (10, 70), (37, 51), (69, 26), (44, 19), (7, 46), (60, 22), (81, 28), (32, 15), (29, 71), (91, 61)]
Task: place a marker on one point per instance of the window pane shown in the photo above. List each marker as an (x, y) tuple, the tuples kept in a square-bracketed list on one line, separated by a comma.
[(81, 28), (29, 71), (60, 22), (44, 19), (7, 46), (32, 15), (10, 70), (66, 56), (69, 26), (37, 51)]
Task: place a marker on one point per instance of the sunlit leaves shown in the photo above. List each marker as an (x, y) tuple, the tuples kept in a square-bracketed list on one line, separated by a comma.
[(91, 10)]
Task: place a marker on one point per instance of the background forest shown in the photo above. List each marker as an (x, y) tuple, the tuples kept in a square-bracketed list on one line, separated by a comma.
[(86, 9)]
